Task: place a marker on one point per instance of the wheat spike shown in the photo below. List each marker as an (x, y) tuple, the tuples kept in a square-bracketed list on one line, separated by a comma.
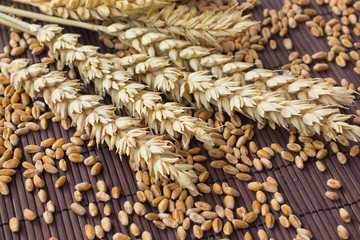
[(184, 22), (250, 100), (109, 77), (96, 9), (292, 87), (100, 122), (157, 16)]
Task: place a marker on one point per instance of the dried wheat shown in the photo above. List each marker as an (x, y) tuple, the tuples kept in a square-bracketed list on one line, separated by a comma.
[(292, 87), (99, 121), (96, 9), (184, 22), (199, 58), (109, 77), (227, 94)]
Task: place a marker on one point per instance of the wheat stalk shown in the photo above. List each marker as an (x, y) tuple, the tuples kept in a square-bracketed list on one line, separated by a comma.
[(100, 122)]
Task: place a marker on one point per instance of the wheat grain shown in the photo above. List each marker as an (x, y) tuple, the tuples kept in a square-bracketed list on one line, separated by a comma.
[(14, 224), (100, 122), (342, 232)]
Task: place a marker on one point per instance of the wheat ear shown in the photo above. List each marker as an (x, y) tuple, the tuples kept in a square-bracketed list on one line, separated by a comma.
[(96, 9), (100, 121), (292, 87), (176, 21), (181, 21), (110, 78)]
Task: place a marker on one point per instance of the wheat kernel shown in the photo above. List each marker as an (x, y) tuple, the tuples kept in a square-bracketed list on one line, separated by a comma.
[(284, 222), (29, 215), (14, 224), (93, 210), (239, 224), (342, 232), (106, 224), (50, 206), (319, 67), (90, 232), (333, 196), (288, 43), (121, 236), (333, 183)]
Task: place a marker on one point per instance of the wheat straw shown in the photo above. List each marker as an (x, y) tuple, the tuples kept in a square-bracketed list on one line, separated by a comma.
[(100, 122)]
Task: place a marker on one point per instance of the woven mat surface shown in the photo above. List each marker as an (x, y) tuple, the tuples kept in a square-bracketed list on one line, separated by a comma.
[(303, 189)]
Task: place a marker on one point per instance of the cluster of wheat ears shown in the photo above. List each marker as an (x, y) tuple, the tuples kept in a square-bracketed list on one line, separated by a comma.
[(170, 63)]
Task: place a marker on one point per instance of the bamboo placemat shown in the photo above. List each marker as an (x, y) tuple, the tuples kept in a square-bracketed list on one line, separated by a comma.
[(303, 189)]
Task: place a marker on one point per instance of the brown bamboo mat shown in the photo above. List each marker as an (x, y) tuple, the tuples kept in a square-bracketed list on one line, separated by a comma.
[(303, 189)]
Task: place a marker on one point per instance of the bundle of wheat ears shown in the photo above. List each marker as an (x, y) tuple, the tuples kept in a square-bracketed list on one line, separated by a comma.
[(111, 78), (176, 65), (100, 122), (228, 94)]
